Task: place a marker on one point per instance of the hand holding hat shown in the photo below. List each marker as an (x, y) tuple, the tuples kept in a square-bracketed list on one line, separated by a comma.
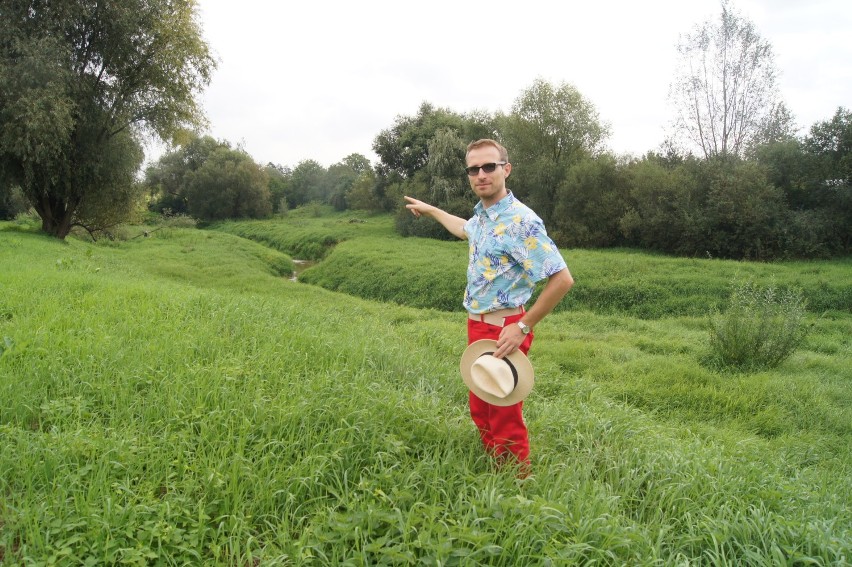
[(498, 381)]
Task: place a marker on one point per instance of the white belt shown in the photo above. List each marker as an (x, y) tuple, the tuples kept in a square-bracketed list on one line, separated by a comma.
[(497, 317)]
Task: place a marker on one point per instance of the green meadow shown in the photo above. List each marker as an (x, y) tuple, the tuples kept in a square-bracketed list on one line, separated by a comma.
[(177, 399)]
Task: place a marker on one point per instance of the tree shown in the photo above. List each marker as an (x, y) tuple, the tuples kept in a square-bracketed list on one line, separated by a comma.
[(307, 181), (663, 213), (786, 162), (361, 196), (778, 127), (446, 166), (404, 148), (726, 94), (831, 140), (549, 129), (829, 144), (229, 185), (210, 180), (358, 163), (166, 180), (279, 178), (423, 156), (745, 217), (441, 182), (81, 83), (340, 178), (589, 203)]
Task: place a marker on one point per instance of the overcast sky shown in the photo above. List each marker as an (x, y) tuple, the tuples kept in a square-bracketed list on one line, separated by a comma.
[(319, 80)]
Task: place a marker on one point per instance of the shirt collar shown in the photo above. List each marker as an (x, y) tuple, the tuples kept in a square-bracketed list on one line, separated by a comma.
[(494, 210)]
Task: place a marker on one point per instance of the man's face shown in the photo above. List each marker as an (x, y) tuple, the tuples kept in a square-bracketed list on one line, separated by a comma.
[(489, 187)]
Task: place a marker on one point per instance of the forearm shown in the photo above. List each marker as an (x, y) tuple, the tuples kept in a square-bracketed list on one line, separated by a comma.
[(454, 224), (554, 290)]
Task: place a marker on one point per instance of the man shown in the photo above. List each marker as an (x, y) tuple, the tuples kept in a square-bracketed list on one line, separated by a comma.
[(509, 252)]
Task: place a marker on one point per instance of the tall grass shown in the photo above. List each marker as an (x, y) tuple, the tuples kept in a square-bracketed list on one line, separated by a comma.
[(760, 329), (411, 271), (307, 237), (156, 411), (368, 261)]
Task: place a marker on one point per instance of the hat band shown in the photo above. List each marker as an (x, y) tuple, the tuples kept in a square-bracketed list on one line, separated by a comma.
[(511, 367)]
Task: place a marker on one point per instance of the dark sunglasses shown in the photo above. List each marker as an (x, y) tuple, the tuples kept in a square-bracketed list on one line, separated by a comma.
[(486, 167)]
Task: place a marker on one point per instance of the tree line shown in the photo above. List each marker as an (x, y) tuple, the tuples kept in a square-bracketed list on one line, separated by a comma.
[(81, 83), (786, 198)]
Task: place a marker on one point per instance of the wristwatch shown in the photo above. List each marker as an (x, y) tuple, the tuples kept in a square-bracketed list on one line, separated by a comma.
[(524, 329)]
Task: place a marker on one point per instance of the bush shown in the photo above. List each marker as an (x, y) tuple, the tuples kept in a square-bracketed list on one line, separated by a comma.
[(12, 202), (179, 220), (28, 219), (760, 329), (425, 227)]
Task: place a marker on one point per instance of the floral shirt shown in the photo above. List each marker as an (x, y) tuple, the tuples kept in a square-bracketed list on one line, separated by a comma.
[(509, 252)]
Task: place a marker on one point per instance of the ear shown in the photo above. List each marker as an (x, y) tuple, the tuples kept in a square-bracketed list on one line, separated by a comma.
[(507, 169)]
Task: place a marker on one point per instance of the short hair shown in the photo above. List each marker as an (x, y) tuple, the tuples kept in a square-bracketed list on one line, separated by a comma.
[(504, 154)]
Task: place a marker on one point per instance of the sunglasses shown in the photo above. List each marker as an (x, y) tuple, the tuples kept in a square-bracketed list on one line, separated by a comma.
[(486, 167)]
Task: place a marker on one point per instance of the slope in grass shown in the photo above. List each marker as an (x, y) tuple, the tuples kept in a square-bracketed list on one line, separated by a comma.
[(159, 410)]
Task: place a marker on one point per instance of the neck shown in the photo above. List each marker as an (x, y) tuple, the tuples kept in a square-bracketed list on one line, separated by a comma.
[(490, 201)]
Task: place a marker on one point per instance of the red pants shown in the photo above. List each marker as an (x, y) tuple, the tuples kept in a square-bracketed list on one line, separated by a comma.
[(501, 428)]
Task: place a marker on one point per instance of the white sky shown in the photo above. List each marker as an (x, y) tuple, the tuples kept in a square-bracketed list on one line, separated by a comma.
[(320, 79)]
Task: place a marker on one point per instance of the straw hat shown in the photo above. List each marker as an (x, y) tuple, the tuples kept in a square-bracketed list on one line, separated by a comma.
[(498, 381)]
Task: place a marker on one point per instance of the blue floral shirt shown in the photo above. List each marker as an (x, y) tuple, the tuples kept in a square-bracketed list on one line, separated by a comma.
[(509, 252)]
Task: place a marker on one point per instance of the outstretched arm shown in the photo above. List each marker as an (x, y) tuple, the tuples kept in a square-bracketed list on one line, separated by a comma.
[(452, 223)]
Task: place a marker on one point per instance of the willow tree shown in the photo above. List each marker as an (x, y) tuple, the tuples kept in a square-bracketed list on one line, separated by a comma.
[(726, 93), (82, 83), (551, 127)]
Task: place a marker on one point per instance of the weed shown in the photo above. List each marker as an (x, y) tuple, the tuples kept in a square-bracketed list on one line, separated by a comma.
[(761, 327)]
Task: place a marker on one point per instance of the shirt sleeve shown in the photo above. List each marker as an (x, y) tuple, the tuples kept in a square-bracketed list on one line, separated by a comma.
[(535, 251)]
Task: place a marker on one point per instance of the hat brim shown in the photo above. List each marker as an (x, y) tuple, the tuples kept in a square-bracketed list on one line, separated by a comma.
[(522, 364)]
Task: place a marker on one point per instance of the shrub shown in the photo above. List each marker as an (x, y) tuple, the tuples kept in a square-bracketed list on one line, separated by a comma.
[(179, 220), (28, 219), (12, 202), (760, 329)]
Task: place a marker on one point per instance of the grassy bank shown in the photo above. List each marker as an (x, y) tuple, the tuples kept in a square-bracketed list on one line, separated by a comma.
[(306, 236), (175, 400), (363, 257)]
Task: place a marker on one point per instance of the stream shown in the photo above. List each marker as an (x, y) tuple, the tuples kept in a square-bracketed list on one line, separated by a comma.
[(301, 266)]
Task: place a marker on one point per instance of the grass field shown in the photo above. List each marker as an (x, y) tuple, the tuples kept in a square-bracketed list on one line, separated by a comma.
[(177, 400)]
